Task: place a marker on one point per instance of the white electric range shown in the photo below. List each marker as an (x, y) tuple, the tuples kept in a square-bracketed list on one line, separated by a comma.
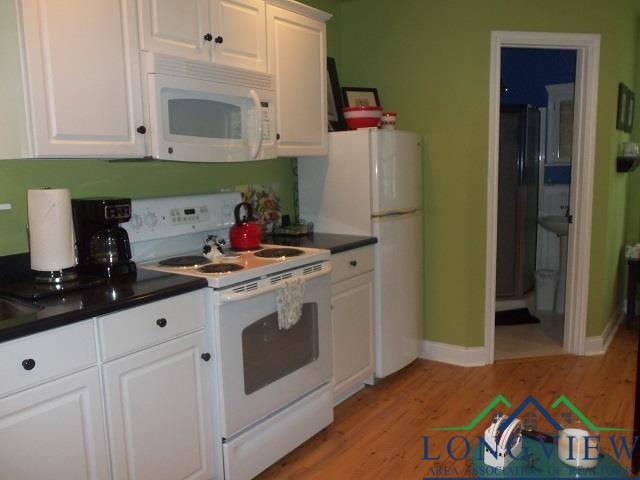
[(272, 383)]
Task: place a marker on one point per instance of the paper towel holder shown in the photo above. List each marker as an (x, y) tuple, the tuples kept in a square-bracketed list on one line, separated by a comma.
[(54, 277), (50, 235), (57, 277)]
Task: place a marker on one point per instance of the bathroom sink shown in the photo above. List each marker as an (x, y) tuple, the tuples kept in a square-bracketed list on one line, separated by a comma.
[(558, 224), (11, 309)]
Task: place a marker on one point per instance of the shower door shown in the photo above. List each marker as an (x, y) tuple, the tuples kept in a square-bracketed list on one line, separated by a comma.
[(517, 199)]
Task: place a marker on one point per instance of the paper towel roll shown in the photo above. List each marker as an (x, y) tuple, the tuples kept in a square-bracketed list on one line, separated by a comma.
[(51, 238)]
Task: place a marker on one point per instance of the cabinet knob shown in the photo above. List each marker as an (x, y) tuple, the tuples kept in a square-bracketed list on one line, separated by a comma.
[(219, 39), (161, 322), (208, 37), (277, 136), (29, 364), (206, 357), (353, 263), (141, 129)]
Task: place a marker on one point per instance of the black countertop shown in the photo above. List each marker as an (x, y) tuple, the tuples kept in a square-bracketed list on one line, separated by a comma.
[(127, 291), (117, 294), (336, 243)]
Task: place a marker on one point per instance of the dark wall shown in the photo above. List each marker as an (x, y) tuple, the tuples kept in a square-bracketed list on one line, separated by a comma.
[(526, 71)]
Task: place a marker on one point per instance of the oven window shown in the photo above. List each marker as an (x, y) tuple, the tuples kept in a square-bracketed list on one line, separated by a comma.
[(269, 353), (195, 117)]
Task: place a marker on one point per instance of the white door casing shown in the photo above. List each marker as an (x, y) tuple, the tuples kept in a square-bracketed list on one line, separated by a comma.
[(587, 47)]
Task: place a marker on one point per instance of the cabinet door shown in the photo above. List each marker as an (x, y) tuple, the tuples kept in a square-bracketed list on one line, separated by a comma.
[(352, 315), (297, 58), (175, 27), (240, 33), (83, 79), (560, 108), (55, 430), (159, 412)]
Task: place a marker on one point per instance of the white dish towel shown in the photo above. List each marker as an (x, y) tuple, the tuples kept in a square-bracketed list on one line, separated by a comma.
[(290, 298)]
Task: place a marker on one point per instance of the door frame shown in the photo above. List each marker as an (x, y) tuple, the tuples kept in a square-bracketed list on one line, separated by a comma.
[(587, 47)]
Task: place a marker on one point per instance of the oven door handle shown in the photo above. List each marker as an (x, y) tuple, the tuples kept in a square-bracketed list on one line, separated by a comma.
[(231, 296)]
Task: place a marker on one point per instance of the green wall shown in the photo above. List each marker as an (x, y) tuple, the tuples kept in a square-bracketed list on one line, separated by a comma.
[(430, 61)]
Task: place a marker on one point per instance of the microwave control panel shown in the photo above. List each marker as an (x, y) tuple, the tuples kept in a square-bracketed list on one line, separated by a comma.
[(267, 121)]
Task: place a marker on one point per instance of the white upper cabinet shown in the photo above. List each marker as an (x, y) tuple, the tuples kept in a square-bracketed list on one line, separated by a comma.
[(229, 32), (85, 95), (297, 59), (175, 27), (240, 33), (82, 79)]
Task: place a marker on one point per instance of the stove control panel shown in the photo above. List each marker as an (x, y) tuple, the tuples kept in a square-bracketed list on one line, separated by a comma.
[(190, 215), (157, 218)]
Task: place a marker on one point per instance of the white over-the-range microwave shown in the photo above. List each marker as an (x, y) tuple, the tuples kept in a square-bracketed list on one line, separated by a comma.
[(203, 112)]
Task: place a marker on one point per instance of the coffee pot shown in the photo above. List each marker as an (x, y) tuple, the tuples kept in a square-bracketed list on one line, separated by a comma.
[(103, 245)]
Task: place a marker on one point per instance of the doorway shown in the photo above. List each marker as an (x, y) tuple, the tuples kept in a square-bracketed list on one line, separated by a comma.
[(586, 48), (534, 172)]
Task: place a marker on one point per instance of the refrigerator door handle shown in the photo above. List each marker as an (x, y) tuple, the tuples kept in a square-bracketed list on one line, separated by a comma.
[(394, 213)]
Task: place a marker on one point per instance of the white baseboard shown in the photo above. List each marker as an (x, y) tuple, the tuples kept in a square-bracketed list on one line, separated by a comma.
[(599, 345), (454, 354)]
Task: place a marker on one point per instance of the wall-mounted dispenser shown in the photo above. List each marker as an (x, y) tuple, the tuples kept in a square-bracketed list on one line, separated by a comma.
[(630, 157)]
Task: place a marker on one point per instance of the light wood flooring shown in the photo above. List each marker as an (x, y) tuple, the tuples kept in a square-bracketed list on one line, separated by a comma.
[(377, 434)]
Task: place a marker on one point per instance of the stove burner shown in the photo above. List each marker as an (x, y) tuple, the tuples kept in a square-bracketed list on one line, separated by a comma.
[(279, 252), (186, 261), (220, 268)]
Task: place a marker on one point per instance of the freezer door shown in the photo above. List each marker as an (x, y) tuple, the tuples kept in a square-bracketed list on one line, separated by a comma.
[(396, 171), (398, 291), (335, 191)]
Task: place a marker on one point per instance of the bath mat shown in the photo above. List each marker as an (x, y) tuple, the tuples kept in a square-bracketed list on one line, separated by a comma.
[(517, 316)]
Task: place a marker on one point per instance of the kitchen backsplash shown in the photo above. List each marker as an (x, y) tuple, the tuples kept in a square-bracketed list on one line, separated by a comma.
[(266, 203), (136, 179)]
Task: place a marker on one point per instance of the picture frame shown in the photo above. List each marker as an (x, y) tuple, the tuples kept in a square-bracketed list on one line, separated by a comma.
[(626, 108), (334, 98), (360, 96)]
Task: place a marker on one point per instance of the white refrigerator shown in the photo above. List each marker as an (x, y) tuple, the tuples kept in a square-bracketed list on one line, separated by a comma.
[(371, 184)]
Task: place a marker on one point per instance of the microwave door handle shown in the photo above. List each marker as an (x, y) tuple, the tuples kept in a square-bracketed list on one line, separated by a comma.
[(258, 104)]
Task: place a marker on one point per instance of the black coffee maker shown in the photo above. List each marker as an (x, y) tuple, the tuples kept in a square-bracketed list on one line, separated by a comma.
[(103, 245)]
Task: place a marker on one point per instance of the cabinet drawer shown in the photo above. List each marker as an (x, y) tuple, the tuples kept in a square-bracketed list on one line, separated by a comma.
[(351, 263), (139, 327), (34, 359)]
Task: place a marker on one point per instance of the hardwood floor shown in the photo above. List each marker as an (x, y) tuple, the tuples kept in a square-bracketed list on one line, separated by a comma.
[(377, 434)]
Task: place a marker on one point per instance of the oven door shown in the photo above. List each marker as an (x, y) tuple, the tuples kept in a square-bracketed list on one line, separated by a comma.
[(261, 367), (203, 121)]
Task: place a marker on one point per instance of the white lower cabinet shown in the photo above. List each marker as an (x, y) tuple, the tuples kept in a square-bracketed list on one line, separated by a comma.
[(352, 316), (160, 425), (55, 430), (62, 406)]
